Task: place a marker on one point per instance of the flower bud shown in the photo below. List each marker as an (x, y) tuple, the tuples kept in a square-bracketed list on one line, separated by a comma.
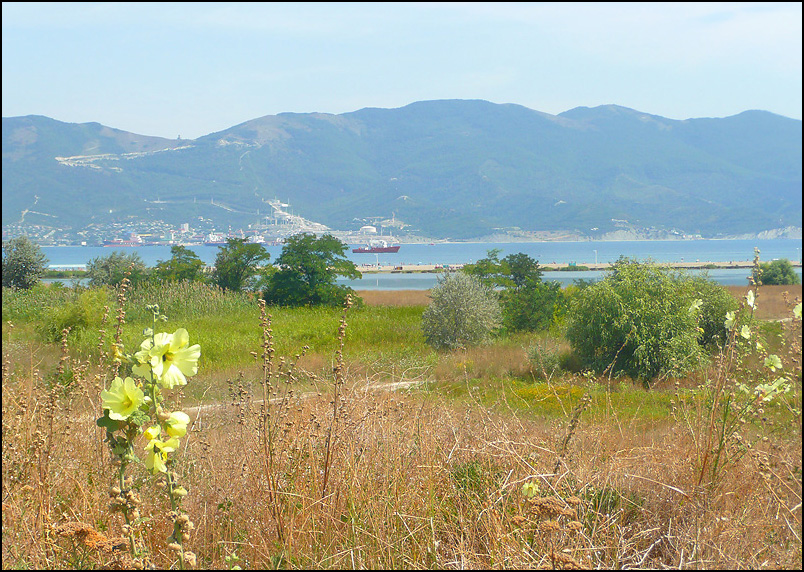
[(189, 558), (179, 492), (176, 424)]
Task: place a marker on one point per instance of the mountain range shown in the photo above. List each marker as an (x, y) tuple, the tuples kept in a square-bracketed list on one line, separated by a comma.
[(446, 168)]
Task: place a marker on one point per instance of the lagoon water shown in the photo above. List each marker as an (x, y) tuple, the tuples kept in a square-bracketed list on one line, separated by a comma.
[(579, 253), (425, 281)]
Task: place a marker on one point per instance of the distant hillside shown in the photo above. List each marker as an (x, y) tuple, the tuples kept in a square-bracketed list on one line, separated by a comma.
[(450, 168)]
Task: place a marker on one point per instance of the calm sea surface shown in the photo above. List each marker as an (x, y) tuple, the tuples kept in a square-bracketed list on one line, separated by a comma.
[(579, 253)]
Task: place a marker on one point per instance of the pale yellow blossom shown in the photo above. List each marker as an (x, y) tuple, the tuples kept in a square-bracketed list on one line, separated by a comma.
[(169, 358), (157, 454), (176, 424), (122, 399)]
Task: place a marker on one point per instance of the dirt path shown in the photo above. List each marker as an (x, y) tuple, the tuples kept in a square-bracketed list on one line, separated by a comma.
[(197, 411)]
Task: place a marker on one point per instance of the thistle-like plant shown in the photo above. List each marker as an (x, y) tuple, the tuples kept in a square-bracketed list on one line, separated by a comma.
[(134, 406), (735, 394)]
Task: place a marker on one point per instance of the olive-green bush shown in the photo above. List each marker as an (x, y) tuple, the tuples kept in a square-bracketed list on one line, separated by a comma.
[(463, 312), (776, 272)]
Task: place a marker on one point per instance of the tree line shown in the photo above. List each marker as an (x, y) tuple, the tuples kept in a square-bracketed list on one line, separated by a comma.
[(642, 319), (305, 273)]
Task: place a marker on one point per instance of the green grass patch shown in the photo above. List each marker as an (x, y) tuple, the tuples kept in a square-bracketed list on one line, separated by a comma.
[(226, 324), (550, 400)]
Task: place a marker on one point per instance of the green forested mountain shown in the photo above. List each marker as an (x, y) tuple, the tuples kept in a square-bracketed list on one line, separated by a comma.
[(449, 168)]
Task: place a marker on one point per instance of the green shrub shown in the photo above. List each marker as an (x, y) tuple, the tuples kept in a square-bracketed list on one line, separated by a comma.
[(716, 301), (546, 358), (111, 269), (531, 308), (528, 304), (639, 320), (24, 264), (83, 311), (463, 312), (776, 272)]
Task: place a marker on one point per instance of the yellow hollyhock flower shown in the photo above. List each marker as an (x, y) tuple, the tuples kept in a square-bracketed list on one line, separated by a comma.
[(773, 362), (530, 490), (152, 432), (157, 454), (169, 358), (176, 425), (122, 399)]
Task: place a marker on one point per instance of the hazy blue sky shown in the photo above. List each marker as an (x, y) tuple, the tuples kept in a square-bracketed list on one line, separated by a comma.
[(191, 69)]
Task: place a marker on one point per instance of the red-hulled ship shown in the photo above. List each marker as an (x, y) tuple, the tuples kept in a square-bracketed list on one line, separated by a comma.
[(376, 247)]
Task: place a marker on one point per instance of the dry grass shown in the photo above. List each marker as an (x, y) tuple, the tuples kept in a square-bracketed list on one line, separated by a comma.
[(771, 304), (416, 479), (500, 360), (395, 297), (415, 483)]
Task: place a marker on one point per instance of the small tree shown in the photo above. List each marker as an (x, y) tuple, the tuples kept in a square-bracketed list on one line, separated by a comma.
[(237, 262), (463, 312), (488, 270), (528, 304), (110, 270), (307, 270), (24, 263), (184, 264), (776, 272), (532, 308)]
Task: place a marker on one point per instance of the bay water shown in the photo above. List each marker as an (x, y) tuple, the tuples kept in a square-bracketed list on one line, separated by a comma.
[(456, 253)]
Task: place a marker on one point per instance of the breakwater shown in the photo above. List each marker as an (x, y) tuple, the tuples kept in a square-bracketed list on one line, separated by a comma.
[(555, 267)]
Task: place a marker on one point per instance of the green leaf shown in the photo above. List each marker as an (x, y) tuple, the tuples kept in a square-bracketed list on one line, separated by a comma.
[(108, 423)]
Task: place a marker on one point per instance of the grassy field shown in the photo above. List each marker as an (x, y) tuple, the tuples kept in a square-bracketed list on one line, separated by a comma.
[(422, 459)]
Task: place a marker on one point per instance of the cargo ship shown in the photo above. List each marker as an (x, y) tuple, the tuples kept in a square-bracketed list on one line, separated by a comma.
[(376, 247), (133, 240), (213, 239)]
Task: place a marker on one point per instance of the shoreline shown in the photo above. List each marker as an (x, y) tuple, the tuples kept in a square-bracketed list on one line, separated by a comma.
[(550, 267), (547, 267)]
